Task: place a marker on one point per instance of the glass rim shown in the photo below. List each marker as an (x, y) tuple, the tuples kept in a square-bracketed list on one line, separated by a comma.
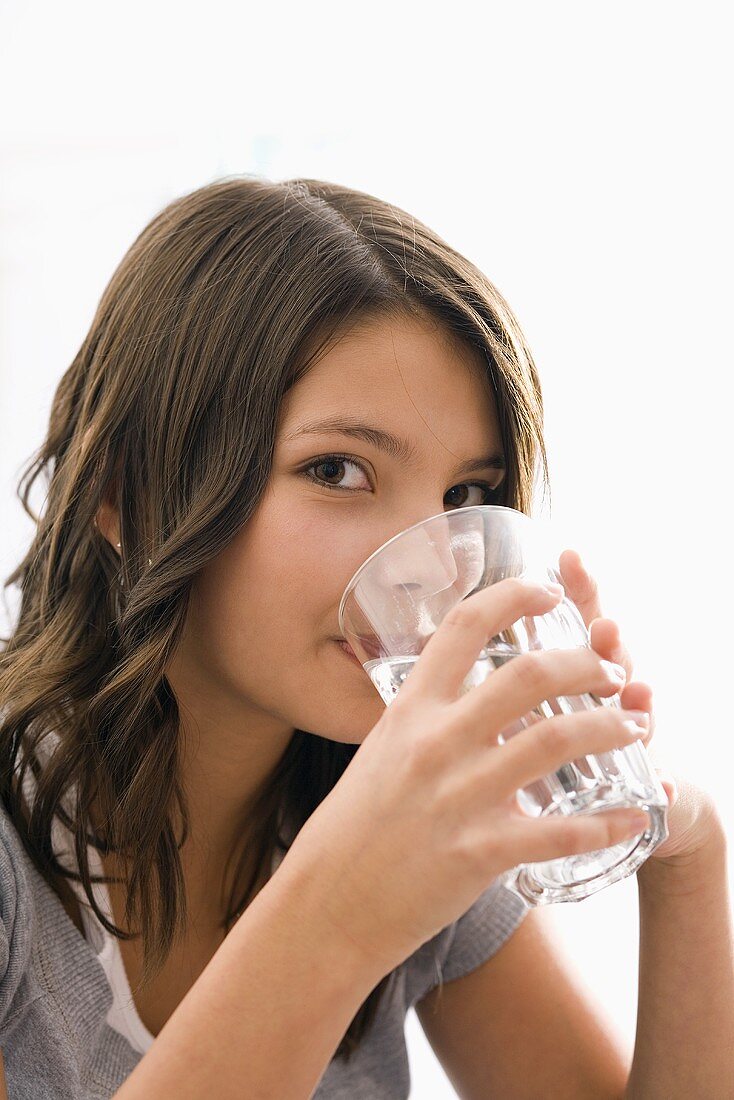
[(420, 523)]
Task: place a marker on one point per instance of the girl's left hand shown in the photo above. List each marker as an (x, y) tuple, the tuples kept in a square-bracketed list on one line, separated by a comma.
[(692, 814)]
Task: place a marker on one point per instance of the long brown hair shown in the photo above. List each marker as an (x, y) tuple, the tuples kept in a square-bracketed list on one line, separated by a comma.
[(169, 410)]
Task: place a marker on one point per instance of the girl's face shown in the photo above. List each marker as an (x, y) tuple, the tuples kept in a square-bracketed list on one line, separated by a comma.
[(260, 640)]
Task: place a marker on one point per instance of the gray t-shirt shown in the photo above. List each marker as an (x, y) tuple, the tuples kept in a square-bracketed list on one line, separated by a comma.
[(55, 996)]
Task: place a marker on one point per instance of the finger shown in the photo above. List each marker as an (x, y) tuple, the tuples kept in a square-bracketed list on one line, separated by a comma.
[(669, 786), (638, 696), (540, 839), (548, 745), (452, 649), (605, 638), (580, 586), (524, 682)]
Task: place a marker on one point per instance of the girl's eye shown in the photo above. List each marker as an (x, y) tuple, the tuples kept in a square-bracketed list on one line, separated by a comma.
[(333, 464)]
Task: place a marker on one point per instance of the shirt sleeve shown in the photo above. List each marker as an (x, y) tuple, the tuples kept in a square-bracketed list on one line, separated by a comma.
[(480, 933), (464, 945)]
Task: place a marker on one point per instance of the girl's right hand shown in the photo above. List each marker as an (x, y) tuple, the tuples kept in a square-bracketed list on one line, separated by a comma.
[(425, 817)]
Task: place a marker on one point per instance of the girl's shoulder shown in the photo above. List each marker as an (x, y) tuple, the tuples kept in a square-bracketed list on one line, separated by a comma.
[(16, 912)]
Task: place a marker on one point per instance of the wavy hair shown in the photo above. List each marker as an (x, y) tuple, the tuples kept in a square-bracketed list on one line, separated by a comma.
[(169, 410)]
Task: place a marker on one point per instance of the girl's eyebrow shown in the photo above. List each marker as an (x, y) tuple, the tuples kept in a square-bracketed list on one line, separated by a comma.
[(391, 445)]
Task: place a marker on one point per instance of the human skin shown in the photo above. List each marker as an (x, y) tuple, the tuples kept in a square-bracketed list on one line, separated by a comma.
[(257, 658)]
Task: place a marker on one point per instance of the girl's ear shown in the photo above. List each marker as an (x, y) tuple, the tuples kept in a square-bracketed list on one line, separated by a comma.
[(107, 523), (107, 519)]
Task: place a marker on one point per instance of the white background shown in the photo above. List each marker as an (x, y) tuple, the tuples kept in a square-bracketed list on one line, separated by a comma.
[(578, 153)]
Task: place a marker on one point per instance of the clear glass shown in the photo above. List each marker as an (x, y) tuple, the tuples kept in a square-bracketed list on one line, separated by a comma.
[(400, 595)]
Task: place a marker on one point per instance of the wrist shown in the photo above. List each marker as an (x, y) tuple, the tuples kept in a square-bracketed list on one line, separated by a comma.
[(305, 887), (687, 873)]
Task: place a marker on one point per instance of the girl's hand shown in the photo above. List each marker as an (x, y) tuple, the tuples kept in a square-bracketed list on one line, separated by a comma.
[(692, 818), (426, 815)]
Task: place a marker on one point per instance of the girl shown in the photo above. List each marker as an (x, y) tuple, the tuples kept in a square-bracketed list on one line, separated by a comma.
[(206, 888)]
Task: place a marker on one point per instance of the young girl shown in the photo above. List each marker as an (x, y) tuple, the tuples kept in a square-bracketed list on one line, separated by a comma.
[(205, 888)]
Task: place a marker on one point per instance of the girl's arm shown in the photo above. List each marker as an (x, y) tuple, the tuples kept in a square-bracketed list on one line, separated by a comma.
[(522, 1026), (266, 1015), (684, 1045)]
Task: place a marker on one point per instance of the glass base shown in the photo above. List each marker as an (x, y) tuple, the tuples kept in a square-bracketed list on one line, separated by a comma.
[(575, 877)]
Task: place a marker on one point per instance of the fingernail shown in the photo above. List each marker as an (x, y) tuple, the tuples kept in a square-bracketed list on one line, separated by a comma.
[(614, 672), (641, 717), (665, 777), (554, 589)]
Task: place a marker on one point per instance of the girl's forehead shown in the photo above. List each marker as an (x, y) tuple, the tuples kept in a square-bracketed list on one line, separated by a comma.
[(358, 365)]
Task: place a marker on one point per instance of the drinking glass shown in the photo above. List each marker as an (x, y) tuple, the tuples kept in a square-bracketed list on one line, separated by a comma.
[(400, 595)]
